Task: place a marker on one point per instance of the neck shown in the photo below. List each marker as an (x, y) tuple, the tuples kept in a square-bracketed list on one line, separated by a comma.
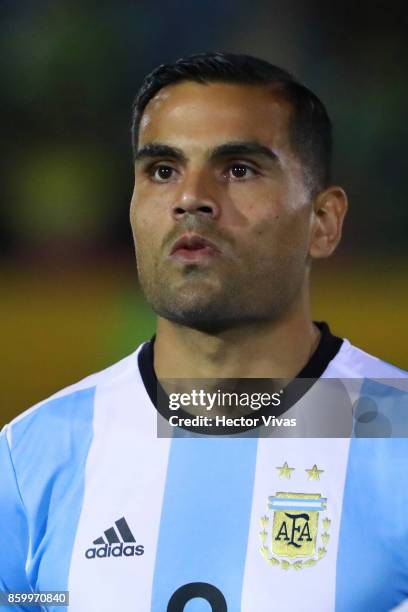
[(268, 349)]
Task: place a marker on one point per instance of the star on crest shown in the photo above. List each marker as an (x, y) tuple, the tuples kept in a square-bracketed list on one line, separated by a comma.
[(285, 471), (314, 473)]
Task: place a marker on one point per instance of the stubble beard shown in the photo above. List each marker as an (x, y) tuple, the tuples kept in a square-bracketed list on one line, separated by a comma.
[(251, 299)]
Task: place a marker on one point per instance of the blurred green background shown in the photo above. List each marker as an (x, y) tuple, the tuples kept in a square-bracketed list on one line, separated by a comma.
[(70, 302)]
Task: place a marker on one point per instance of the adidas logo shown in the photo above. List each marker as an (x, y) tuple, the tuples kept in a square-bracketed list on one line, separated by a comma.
[(120, 542)]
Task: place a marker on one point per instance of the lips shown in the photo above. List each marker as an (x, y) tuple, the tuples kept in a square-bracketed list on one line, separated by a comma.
[(193, 242), (193, 247)]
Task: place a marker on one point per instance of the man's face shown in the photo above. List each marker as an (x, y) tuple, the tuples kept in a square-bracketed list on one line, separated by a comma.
[(215, 164)]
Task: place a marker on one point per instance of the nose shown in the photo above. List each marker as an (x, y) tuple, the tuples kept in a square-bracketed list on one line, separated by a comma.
[(196, 196)]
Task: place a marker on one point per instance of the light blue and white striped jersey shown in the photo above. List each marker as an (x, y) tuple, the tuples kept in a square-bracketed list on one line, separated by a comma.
[(93, 502)]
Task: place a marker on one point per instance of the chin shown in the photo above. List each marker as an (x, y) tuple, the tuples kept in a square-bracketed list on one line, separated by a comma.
[(211, 317)]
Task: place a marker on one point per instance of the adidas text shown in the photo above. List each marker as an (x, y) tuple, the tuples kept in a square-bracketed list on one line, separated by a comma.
[(117, 550)]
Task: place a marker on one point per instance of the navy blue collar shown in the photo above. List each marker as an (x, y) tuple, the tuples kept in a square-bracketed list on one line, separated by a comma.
[(328, 347)]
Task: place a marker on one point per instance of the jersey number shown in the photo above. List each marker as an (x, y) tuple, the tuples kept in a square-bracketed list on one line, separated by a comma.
[(190, 591)]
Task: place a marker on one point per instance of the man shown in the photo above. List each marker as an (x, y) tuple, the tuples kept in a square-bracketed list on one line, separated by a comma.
[(232, 202)]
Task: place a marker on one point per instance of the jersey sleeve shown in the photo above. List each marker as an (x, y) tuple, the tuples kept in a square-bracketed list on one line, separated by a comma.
[(14, 534)]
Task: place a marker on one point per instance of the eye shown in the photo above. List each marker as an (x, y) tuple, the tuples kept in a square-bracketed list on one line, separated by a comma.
[(240, 171), (161, 173)]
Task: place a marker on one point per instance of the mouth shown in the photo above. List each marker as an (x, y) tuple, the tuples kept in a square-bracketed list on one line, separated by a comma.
[(193, 248)]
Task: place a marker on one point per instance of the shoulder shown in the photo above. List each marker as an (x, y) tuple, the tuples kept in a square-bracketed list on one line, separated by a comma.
[(377, 391), (72, 404), (352, 362)]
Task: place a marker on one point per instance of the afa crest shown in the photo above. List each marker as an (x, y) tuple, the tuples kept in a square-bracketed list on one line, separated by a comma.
[(295, 535)]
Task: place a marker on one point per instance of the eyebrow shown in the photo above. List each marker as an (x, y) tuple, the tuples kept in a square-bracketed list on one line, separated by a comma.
[(246, 147), (228, 149), (157, 149)]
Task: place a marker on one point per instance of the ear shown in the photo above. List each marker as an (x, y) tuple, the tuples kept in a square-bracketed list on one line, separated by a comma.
[(330, 207)]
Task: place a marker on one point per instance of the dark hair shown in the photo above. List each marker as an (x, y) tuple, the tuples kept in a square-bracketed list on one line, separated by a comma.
[(310, 127)]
